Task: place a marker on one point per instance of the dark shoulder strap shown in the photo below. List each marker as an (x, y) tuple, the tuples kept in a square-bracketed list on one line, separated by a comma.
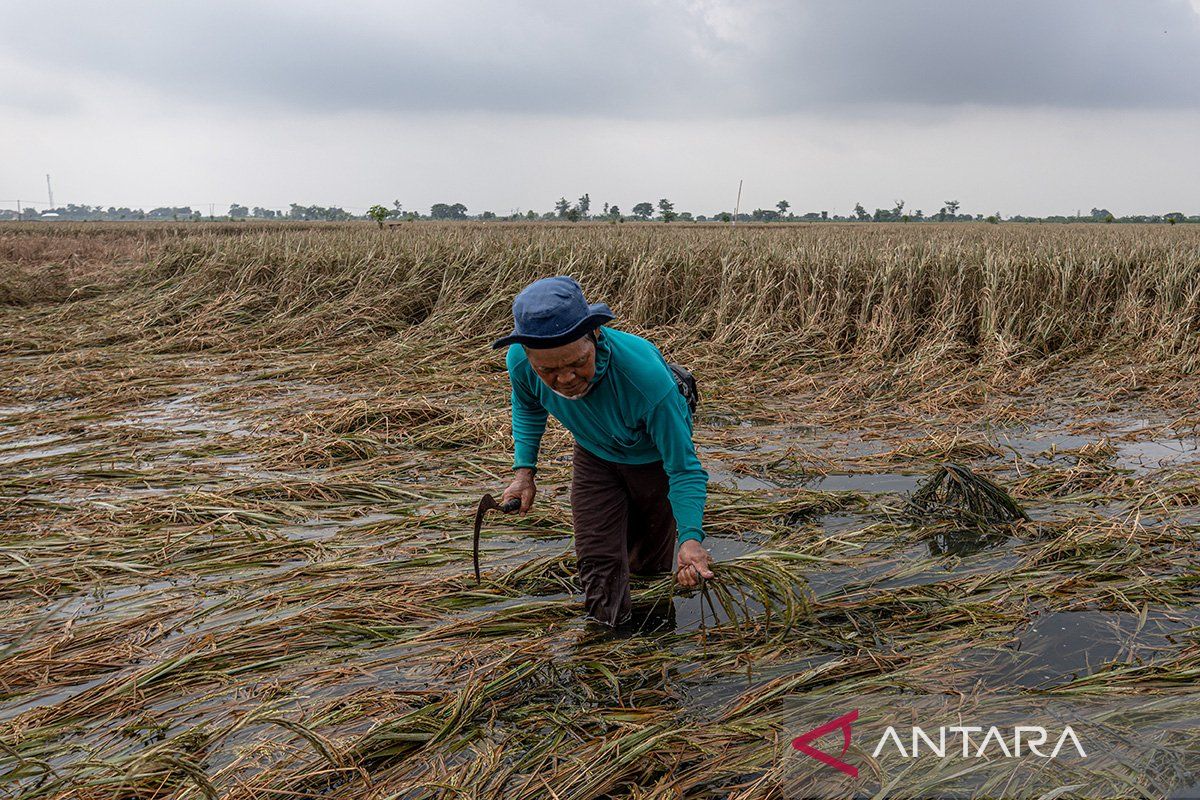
[(686, 383)]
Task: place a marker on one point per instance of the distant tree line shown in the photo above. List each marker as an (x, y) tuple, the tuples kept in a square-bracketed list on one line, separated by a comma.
[(950, 211), (568, 211)]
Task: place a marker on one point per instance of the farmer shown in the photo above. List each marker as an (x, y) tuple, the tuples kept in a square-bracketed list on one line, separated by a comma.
[(637, 485)]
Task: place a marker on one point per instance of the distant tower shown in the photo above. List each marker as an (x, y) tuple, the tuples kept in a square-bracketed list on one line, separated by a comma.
[(49, 192)]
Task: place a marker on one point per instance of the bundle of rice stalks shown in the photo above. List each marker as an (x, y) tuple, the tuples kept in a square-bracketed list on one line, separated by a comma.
[(955, 492), (763, 594)]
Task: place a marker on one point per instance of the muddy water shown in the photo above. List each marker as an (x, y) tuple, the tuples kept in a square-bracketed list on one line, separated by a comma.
[(1056, 648), (214, 582)]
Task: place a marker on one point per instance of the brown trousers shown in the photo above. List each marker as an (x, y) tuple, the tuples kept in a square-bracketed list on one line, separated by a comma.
[(623, 524)]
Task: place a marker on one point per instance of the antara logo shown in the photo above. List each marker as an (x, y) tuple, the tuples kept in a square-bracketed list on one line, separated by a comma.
[(1031, 736), (993, 743), (801, 743)]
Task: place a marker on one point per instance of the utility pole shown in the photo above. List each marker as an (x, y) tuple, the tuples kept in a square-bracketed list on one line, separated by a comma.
[(737, 207), (49, 191)]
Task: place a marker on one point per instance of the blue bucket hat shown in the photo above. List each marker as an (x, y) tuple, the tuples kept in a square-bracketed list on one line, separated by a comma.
[(551, 312)]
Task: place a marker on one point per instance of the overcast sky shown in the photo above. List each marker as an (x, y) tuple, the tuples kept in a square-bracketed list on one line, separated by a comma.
[(1017, 106)]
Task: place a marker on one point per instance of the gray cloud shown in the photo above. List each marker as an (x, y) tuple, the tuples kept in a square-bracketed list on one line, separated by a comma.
[(633, 59), (398, 57), (40, 100), (1076, 53)]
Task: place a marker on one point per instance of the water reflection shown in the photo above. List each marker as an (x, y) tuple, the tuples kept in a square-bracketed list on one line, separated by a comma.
[(964, 541)]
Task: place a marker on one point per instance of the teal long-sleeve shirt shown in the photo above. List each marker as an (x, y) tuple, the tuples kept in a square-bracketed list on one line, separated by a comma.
[(633, 414)]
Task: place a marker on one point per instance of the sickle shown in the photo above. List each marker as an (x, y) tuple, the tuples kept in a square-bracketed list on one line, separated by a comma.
[(487, 503)]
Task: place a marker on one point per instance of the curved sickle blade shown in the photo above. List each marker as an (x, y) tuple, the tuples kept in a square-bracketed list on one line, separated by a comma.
[(486, 503)]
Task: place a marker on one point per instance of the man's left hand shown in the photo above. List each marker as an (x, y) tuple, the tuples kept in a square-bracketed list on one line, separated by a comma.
[(694, 562)]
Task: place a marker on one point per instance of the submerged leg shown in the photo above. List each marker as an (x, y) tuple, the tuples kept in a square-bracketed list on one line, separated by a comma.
[(651, 533), (650, 538), (600, 512)]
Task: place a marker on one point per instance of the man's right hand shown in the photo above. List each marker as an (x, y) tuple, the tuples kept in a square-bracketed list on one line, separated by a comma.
[(523, 488)]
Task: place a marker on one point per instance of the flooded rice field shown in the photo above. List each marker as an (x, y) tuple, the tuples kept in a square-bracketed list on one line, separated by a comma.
[(239, 465), (225, 579)]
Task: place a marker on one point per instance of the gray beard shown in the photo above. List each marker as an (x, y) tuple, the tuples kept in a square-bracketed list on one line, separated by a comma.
[(579, 396)]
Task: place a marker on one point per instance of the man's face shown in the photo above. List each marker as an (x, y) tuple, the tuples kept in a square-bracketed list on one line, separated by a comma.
[(567, 369)]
